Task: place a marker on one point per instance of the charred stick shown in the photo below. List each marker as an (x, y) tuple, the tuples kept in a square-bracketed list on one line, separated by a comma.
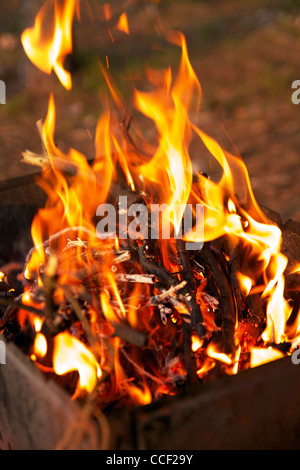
[(186, 266), (227, 301), (186, 295), (50, 284), (189, 358), (81, 316), (189, 292), (125, 332), (235, 266), (162, 274)]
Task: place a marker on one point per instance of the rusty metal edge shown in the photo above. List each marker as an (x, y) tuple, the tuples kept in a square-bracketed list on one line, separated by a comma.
[(35, 413), (257, 409)]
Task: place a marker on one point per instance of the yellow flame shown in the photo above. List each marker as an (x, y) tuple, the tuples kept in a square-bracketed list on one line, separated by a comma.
[(40, 346), (48, 52), (245, 283), (122, 24), (261, 356), (70, 354), (196, 343), (168, 107)]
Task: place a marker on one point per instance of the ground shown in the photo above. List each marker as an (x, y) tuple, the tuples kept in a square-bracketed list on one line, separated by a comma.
[(246, 56)]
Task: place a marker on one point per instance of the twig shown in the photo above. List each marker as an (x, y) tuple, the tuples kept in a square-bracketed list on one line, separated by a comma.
[(81, 317), (141, 370), (139, 278), (156, 299), (184, 295), (157, 270), (55, 237)]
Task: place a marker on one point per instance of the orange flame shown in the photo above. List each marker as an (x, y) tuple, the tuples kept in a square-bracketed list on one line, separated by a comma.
[(70, 354), (40, 346), (168, 107), (122, 24), (261, 356), (48, 53)]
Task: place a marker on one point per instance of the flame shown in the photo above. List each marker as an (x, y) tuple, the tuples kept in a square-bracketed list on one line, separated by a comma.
[(69, 205), (245, 283), (196, 343), (108, 310), (70, 354), (141, 396), (260, 239), (261, 356), (213, 353), (162, 172), (48, 52), (122, 24), (170, 168), (40, 346)]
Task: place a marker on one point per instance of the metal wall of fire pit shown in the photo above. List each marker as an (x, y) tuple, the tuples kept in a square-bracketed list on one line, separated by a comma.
[(255, 409), (35, 414)]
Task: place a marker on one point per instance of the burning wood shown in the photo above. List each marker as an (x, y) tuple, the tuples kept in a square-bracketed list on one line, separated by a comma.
[(138, 317)]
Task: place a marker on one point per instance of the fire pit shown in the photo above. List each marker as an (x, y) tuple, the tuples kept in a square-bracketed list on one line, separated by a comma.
[(148, 295)]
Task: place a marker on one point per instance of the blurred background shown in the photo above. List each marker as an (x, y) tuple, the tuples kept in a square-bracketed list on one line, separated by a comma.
[(246, 56)]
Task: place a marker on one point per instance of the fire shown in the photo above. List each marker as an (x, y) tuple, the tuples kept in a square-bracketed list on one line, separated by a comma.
[(70, 354), (122, 24), (48, 52), (196, 343), (132, 319), (263, 355), (245, 282), (40, 346), (168, 107)]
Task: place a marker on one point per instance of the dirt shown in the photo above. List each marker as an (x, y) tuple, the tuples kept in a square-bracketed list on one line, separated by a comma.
[(245, 54)]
